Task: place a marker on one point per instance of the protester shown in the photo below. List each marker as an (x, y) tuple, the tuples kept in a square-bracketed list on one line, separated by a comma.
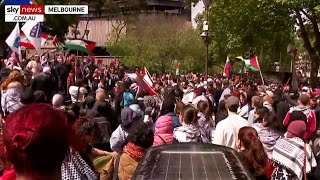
[(244, 106), (222, 112), (205, 121), (252, 152), (291, 155), (163, 133), (57, 101), (138, 142), (226, 132), (95, 98), (30, 135), (11, 90), (168, 108), (307, 111), (256, 103), (189, 131), (260, 114), (119, 136), (269, 131)]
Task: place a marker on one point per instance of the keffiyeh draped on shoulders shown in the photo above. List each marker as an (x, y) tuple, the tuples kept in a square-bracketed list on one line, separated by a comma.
[(289, 154), (75, 168)]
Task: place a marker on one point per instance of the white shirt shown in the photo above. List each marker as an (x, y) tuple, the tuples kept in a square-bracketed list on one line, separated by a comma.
[(244, 111), (225, 92), (251, 117), (226, 133), (73, 91)]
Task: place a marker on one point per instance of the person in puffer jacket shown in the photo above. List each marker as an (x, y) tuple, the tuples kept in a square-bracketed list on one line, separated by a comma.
[(307, 111), (163, 131)]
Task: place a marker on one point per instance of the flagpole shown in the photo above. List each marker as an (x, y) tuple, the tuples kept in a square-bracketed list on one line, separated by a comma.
[(260, 71)]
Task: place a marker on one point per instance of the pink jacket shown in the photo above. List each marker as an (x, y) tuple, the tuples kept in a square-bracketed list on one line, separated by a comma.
[(163, 133)]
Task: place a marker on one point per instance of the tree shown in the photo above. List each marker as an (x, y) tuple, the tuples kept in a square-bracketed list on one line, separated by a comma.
[(159, 42), (265, 28), (307, 18)]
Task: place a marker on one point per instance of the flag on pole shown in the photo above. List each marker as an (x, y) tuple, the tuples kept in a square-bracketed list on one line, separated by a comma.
[(178, 71), (143, 86), (26, 43), (227, 68), (251, 64), (32, 30), (147, 77), (13, 40)]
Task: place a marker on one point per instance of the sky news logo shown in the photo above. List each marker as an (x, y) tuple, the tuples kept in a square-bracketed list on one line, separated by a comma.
[(24, 13)]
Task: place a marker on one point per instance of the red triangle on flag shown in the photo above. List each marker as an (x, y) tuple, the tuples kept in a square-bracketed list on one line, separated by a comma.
[(90, 46), (254, 62)]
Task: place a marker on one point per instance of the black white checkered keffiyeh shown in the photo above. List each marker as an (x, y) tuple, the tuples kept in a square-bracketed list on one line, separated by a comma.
[(75, 168), (289, 153)]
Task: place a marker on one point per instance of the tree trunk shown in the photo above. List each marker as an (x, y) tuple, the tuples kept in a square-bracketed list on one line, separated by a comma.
[(315, 62), (312, 51)]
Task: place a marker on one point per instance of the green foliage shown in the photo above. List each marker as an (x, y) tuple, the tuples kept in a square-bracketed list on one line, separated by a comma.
[(159, 42), (250, 27)]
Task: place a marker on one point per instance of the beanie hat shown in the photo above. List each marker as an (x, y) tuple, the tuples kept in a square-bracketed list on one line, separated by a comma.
[(297, 129)]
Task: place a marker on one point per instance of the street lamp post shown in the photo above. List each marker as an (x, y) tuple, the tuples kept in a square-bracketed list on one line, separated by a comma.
[(205, 33)]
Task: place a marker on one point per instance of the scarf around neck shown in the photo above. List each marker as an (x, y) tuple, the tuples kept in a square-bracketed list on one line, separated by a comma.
[(289, 153), (134, 151)]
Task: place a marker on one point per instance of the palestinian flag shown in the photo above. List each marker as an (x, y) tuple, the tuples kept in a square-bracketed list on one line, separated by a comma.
[(24, 41), (143, 86), (147, 77), (80, 45), (251, 64), (178, 71)]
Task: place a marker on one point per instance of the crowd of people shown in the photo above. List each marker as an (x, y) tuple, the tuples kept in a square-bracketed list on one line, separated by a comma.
[(58, 115)]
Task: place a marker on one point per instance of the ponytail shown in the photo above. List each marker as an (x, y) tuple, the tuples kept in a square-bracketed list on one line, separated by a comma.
[(254, 156), (204, 108)]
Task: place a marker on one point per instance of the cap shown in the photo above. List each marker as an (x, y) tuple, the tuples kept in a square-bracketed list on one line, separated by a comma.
[(232, 100)]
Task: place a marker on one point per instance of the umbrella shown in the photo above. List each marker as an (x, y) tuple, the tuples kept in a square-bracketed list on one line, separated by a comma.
[(80, 45)]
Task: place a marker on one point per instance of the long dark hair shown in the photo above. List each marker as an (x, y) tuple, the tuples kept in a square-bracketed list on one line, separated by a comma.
[(204, 108), (272, 122), (254, 156)]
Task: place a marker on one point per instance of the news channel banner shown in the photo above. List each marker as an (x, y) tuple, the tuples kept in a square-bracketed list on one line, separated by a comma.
[(24, 13)]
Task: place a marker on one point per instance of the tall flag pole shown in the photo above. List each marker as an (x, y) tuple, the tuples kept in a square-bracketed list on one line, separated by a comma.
[(227, 68), (257, 62), (252, 64)]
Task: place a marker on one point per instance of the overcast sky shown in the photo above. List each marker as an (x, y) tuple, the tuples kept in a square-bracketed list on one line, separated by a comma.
[(199, 7)]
